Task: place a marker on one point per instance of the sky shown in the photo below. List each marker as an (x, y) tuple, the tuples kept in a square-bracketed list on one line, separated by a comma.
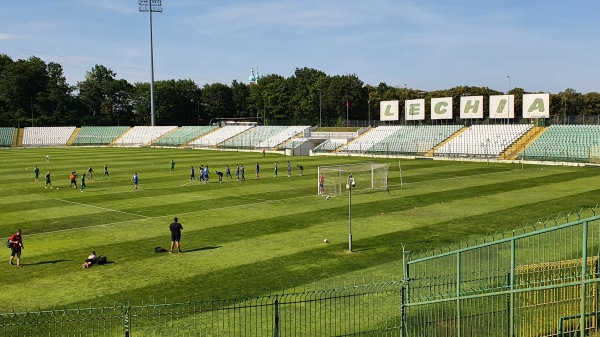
[(540, 46)]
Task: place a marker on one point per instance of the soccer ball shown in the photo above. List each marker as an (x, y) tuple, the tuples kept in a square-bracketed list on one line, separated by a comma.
[(57, 188), (327, 197), (325, 241)]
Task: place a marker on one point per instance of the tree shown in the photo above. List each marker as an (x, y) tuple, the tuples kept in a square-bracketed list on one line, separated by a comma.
[(240, 93), (95, 92), (54, 105), (346, 95), (304, 89), (20, 83), (217, 100), (177, 102)]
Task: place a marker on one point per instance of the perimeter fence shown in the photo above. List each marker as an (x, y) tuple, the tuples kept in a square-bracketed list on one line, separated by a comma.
[(538, 280), (361, 310)]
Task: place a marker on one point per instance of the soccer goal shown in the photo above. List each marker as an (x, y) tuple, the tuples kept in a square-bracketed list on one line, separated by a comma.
[(367, 176)]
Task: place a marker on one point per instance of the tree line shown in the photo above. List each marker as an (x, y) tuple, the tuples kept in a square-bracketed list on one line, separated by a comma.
[(33, 92)]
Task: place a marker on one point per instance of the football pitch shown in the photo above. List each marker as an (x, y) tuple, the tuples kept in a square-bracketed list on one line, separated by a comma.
[(251, 237)]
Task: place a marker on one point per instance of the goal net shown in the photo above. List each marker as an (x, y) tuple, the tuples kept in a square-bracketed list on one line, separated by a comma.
[(367, 176)]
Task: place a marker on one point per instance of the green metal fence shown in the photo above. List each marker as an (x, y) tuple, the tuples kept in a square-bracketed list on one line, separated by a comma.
[(539, 280), (365, 310), (527, 282)]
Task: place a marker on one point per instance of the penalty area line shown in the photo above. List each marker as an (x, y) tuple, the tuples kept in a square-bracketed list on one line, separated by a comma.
[(102, 208)]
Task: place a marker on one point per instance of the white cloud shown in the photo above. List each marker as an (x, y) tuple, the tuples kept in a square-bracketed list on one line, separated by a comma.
[(8, 37)]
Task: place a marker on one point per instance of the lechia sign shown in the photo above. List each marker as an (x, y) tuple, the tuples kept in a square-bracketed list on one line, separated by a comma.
[(471, 107)]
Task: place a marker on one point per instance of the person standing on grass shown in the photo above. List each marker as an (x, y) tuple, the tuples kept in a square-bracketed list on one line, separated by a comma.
[(82, 182), (172, 165), (321, 183), (237, 172), (289, 167), (192, 174), (175, 229), (275, 168), (36, 171), (201, 174), (257, 171), (16, 242), (48, 182), (228, 172), (136, 181), (105, 172), (90, 173), (73, 177), (243, 171)]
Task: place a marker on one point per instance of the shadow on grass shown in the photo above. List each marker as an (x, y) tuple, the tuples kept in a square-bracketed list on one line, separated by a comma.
[(390, 245), (47, 262), (202, 248)]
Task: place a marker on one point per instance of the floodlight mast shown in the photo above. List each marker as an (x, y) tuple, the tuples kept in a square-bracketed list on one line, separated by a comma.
[(151, 6)]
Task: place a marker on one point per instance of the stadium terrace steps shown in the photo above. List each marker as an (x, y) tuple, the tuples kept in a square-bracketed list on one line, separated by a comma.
[(431, 152), (18, 141), (73, 136), (513, 151)]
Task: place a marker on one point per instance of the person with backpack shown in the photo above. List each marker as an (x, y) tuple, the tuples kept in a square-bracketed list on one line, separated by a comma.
[(16, 242)]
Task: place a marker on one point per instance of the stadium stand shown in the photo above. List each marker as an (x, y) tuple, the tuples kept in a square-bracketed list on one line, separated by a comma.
[(414, 140), (283, 136), (98, 135), (565, 143), (253, 137), (483, 140), (295, 142), (219, 135), (329, 145), (143, 135), (368, 139), (6, 136), (47, 136), (183, 135)]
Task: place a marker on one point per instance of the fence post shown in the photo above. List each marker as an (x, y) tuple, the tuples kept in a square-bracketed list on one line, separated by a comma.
[(458, 311), (511, 318), (126, 318), (276, 328), (583, 277)]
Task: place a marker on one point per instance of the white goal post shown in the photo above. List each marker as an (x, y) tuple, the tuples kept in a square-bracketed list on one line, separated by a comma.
[(367, 176)]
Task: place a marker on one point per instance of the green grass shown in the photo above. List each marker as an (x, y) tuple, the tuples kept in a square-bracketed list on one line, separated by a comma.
[(256, 236)]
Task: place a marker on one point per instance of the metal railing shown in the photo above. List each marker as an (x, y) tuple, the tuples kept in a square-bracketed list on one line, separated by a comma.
[(365, 310), (518, 283), (538, 280)]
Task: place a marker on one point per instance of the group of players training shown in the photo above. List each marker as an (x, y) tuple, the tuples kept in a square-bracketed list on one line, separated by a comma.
[(240, 172)]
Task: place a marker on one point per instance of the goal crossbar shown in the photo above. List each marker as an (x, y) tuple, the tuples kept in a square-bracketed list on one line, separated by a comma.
[(367, 176)]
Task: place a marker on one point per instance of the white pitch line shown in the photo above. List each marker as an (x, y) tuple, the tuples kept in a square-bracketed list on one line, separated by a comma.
[(158, 217), (102, 208), (80, 228)]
